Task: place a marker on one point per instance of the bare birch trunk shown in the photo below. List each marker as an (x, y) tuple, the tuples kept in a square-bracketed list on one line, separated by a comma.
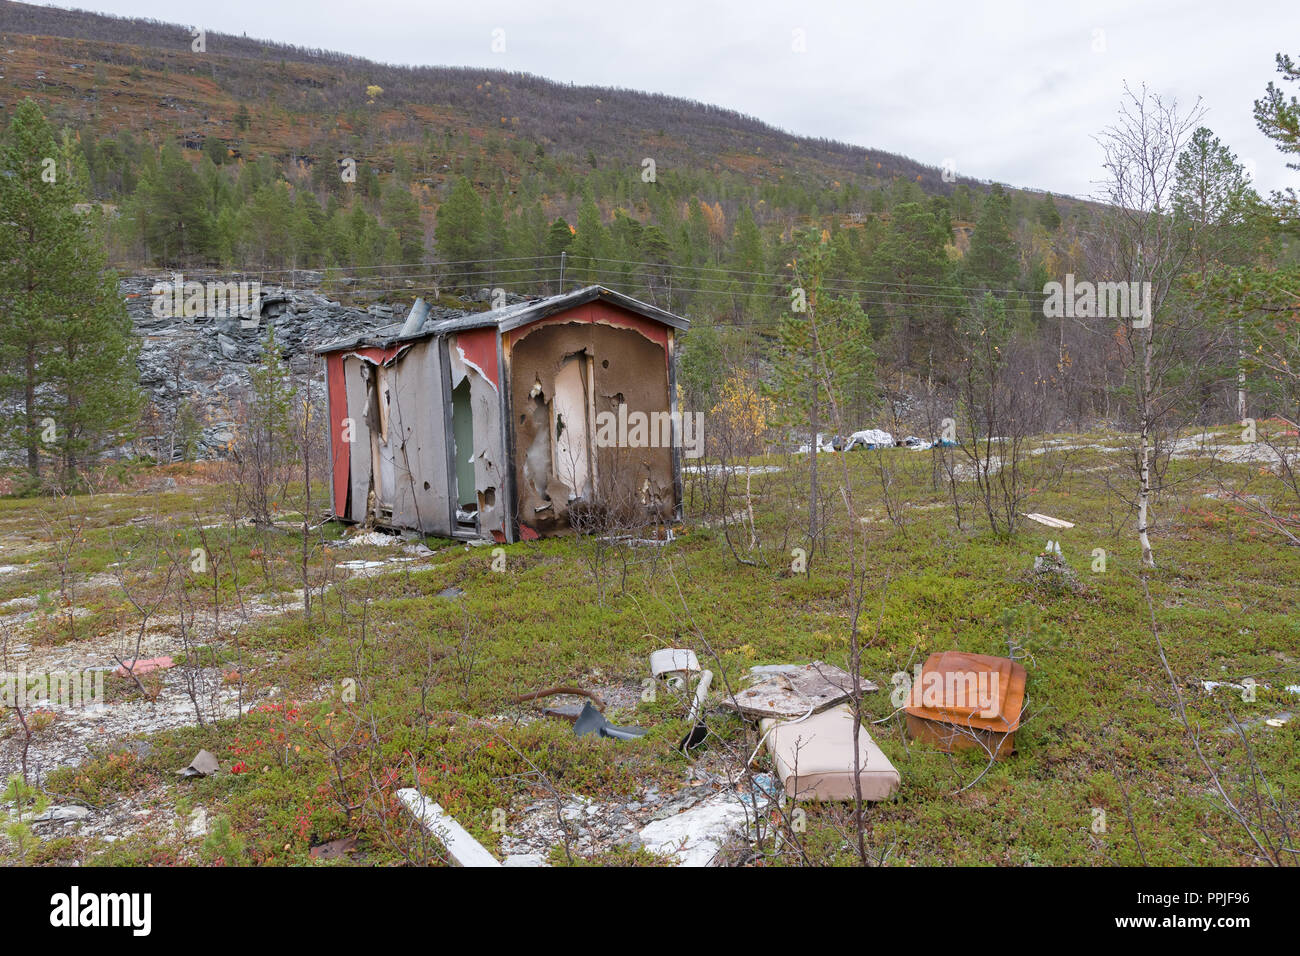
[(1144, 450)]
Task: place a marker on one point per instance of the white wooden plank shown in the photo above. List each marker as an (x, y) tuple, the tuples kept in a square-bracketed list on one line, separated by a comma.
[(463, 849), (1049, 520)]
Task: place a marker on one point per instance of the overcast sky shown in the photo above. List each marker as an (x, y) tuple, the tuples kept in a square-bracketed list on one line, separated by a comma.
[(1010, 90)]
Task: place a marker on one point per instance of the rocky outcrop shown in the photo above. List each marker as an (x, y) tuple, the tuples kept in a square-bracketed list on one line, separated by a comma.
[(205, 359)]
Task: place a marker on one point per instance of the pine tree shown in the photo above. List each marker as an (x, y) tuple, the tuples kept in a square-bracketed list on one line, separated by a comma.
[(66, 349), (459, 232), (590, 244), (402, 214), (171, 213), (1048, 215), (993, 261)]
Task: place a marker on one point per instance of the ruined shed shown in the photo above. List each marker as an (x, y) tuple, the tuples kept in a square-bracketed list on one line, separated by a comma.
[(522, 421)]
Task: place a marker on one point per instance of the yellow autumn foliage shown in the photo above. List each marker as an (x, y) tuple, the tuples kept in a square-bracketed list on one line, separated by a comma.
[(741, 414)]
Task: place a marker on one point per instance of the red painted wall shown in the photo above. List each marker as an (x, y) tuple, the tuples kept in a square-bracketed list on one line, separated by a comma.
[(480, 347), (608, 314)]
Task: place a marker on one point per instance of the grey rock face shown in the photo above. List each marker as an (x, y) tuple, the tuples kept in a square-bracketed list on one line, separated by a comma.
[(205, 359)]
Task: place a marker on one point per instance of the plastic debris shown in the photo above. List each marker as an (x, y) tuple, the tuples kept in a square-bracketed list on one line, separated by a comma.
[(143, 666), (869, 438), (696, 836), (814, 758), (203, 765), (592, 721), (673, 663), (699, 730), (961, 701)]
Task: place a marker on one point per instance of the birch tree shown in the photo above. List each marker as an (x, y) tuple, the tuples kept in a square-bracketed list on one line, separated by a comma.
[(1138, 240)]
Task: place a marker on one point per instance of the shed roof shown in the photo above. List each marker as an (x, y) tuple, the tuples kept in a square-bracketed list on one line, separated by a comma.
[(505, 318)]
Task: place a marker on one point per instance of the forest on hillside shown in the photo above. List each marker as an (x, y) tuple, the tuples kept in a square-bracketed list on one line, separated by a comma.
[(403, 182)]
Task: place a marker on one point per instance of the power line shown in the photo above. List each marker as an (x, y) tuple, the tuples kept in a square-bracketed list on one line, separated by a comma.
[(696, 273)]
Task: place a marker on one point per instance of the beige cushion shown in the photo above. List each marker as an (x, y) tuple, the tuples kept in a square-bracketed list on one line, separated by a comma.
[(821, 749)]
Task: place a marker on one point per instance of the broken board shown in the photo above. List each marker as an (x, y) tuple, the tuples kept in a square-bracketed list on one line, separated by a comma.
[(794, 690), (1049, 520), (461, 847)]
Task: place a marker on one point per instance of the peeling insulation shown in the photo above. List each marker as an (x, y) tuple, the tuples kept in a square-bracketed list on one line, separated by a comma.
[(555, 367)]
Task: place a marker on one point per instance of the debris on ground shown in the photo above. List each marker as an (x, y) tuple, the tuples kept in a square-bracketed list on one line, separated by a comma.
[(138, 667), (592, 721), (699, 730), (669, 536), (813, 757), (1052, 575), (869, 438), (1048, 520), (462, 848), (962, 701), (203, 765), (1210, 686), (562, 690), (373, 538), (335, 849), (794, 690), (824, 443), (673, 664), (696, 836), (731, 469)]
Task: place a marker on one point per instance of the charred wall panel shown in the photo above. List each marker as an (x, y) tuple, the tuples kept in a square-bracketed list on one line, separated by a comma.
[(626, 368)]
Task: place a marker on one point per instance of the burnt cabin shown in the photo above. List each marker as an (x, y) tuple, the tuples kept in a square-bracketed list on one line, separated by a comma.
[(484, 425)]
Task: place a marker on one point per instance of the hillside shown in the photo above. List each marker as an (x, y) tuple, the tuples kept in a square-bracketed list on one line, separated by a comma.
[(109, 73)]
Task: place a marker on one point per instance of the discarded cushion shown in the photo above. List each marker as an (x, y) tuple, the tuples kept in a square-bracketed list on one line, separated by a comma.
[(820, 751)]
